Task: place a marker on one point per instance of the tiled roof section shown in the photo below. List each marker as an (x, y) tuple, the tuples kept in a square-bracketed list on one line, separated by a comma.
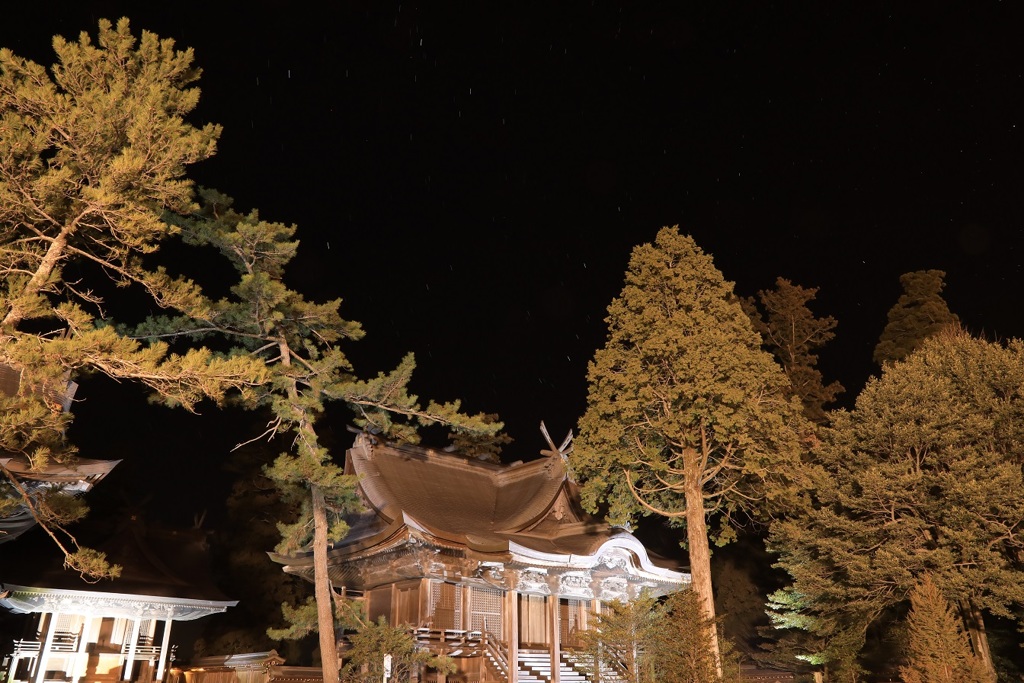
[(74, 478), (80, 469), (11, 379), (454, 494), (479, 506)]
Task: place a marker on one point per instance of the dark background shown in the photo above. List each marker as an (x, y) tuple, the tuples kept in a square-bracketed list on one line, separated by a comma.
[(471, 177)]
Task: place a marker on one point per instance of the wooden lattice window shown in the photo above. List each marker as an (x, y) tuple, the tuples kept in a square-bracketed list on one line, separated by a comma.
[(146, 629), (486, 608), (67, 623), (66, 629), (446, 605)]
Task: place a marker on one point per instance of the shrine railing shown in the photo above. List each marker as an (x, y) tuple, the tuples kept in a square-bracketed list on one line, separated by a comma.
[(69, 643), (450, 641), (62, 642), (497, 651), (141, 650), (463, 643)]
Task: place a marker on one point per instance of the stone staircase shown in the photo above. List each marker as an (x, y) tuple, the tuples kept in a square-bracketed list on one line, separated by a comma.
[(535, 667)]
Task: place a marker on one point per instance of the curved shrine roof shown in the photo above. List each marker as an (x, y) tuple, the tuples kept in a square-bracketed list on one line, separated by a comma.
[(532, 506), (523, 514), (452, 493)]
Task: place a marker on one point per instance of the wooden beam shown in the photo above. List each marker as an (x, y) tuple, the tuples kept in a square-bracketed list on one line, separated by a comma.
[(554, 638)]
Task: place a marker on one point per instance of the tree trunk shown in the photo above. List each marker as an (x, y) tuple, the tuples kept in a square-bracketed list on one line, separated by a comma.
[(700, 552), (975, 625), (322, 589), (39, 278)]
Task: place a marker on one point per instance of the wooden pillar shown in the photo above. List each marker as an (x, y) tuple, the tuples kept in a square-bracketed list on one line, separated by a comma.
[(161, 666), (512, 634), (425, 617), (82, 655), (45, 647), (129, 664), (393, 609), (554, 638), (14, 667), (596, 609)]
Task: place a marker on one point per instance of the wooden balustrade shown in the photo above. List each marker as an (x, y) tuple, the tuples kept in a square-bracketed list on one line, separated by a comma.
[(62, 642), (69, 642)]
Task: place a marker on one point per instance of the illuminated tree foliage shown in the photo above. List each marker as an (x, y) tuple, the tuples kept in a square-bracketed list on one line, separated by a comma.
[(682, 648), (919, 313), (938, 650), (922, 477), (92, 152), (619, 643), (373, 640), (687, 416), (482, 446), (793, 334), (649, 640), (298, 341)]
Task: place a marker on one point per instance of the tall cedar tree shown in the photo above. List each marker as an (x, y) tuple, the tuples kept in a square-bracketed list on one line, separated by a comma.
[(298, 341), (687, 416), (938, 650), (92, 152), (793, 334), (922, 477), (919, 313)]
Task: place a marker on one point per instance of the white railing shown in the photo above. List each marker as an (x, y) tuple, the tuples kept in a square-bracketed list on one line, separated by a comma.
[(62, 642), (69, 642)]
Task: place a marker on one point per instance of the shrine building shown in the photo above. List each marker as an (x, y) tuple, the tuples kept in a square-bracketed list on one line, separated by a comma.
[(114, 630), (496, 566)]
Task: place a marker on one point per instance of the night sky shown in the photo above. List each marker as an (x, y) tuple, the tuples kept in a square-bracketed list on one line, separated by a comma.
[(470, 179)]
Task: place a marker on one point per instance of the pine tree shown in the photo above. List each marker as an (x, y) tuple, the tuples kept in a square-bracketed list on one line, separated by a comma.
[(793, 334), (619, 644), (938, 650), (299, 343), (372, 641), (92, 152), (687, 416), (919, 313), (647, 640), (485, 447)]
